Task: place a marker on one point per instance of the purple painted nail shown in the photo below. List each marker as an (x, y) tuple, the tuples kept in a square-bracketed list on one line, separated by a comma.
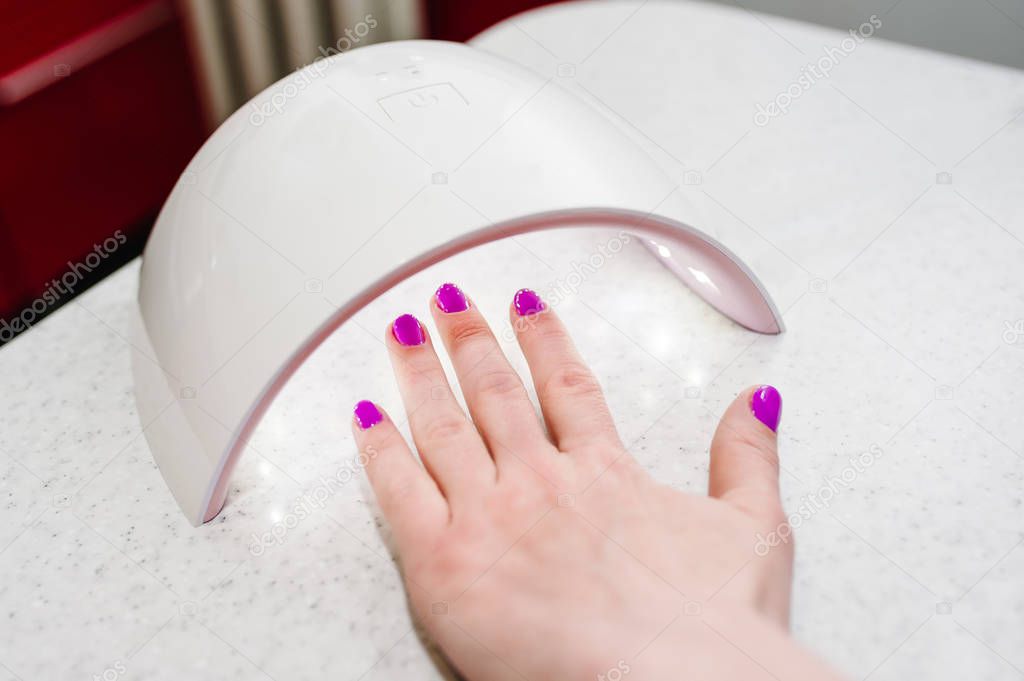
[(407, 330), (450, 298), (367, 414), (767, 406), (527, 302)]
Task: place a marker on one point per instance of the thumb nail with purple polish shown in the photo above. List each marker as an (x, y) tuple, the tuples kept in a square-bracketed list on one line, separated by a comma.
[(766, 404)]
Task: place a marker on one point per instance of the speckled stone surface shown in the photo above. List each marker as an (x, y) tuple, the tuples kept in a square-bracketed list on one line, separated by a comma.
[(884, 214)]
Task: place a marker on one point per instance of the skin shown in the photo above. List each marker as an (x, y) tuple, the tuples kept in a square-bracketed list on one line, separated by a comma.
[(533, 552)]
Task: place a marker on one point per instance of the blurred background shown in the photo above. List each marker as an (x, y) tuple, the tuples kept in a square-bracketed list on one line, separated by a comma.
[(103, 102)]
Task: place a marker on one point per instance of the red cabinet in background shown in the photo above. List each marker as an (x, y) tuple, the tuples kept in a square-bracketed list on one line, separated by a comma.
[(99, 114)]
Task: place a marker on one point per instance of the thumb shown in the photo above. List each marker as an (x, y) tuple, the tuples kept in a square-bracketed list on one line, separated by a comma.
[(744, 451)]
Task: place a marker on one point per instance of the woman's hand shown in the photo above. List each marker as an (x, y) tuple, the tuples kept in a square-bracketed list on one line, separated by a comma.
[(550, 553)]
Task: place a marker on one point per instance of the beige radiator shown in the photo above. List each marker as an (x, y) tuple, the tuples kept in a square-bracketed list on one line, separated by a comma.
[(240, 47)]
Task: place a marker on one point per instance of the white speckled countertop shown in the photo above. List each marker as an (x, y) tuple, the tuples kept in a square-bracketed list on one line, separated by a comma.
[(883, 211)]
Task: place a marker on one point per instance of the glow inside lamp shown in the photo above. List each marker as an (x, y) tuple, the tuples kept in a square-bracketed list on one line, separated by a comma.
[(327, 182)]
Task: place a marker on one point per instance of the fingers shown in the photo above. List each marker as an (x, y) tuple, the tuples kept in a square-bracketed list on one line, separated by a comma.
[(408, 497), (744, 451), (570, 396), (494, 393), (448, 443)]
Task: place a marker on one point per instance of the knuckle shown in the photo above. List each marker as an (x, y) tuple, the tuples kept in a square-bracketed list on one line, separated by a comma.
[(444, 428), (573, 379), (468, 331), (753, 445), (498, 383), (760, 503)]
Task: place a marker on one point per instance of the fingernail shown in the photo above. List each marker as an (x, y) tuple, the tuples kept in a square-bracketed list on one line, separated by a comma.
[(767, 406), (450, 298), (527, 302), (367, 414), (407, 330)]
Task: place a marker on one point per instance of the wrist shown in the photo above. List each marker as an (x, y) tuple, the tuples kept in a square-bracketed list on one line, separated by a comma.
[(727, 642)]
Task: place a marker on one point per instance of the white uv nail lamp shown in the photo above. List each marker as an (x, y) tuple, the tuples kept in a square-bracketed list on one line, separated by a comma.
[(344, 178)]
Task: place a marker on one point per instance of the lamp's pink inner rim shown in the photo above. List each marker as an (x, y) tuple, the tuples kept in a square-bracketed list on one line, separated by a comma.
[(646, 224)]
